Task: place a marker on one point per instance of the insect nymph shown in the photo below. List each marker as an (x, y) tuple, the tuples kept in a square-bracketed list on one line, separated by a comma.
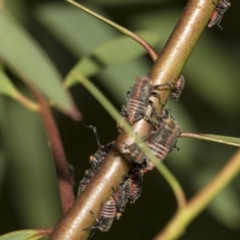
[(160, 141), (106, 217), (138, 99), (217, 15), (164, 138)]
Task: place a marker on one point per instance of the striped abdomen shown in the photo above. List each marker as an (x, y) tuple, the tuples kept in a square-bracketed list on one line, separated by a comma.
[(177, 88), (218, 13), (164, 139), (138, 99), (215, 19), (136, 110), (159, 150), (107, 215)]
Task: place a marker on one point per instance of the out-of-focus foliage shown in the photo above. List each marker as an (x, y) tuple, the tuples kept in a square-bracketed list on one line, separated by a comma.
[(24, 57), (25, 235), (110, 54), (6, 86), (209, 104)]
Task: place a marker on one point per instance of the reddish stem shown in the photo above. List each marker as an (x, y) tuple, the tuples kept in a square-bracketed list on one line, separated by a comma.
[(64, 179)]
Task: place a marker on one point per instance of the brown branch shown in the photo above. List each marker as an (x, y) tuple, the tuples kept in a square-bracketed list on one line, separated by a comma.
[(64, 179), (2, 5), (72, 225), (43, 232), (181, 42), (167, 68)]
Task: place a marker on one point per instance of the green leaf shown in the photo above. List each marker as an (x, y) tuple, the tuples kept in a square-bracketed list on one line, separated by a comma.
[(111, 53), (25, 57), (217, 85), (6, 86), (214, 138), (33, 234), (76, 30), (226, 207), (29, 158), (129, 2)]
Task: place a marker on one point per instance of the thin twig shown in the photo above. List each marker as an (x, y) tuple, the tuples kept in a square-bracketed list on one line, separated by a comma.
[(124, 30), (61, 164), (183, 217), (27, 102), (233, 141)]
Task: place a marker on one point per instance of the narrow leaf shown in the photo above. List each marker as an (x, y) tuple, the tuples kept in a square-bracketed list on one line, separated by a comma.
[(32, 234), (127, 2), (7, 88), (214, 138), (124, 30), (226, 208), (25, 57), (111, 53)]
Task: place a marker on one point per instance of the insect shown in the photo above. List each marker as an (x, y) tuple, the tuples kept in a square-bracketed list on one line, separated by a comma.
[(97, 158), (137, 100), (177, 87), (106, 217), (71, 171), (164, 138), (134, 153), (160, 141), (135, 178), (139, 94), (121, 197), (217, 15), (95, 161), (86, 179), (130, 189)]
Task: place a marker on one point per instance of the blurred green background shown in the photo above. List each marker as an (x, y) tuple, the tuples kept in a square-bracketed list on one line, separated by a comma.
[(209, 104)]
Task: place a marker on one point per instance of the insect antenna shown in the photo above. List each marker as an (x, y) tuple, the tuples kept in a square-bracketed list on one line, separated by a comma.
[(95, 133)]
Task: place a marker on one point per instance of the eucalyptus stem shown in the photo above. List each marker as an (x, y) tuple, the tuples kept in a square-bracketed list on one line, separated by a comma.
[(177, 190), (166, 68)]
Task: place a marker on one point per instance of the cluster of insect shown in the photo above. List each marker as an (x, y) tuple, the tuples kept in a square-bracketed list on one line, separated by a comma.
[(128, 191), (161, 140), (165, 130), (217, 15)]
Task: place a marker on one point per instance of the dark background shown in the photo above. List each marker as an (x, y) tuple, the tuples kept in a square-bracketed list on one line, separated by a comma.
[(209, 104)]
